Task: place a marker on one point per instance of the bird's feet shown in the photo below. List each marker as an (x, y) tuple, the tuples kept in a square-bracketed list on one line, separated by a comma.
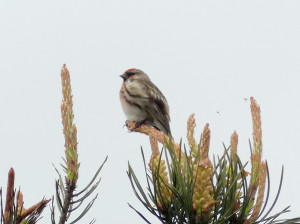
[(138, 124), (132, 125)]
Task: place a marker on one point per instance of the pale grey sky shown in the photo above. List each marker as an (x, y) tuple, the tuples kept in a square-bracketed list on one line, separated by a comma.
[(205, 56)]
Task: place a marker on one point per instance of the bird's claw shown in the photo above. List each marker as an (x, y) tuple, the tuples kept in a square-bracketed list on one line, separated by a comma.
[(138, 124)]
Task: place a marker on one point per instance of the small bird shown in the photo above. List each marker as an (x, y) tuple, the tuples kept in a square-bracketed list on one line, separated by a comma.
[(143, 102)]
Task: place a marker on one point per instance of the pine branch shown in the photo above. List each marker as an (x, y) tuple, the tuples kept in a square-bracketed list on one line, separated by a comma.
[(68, 197), (14, 212), (184, 187), (9, 196)]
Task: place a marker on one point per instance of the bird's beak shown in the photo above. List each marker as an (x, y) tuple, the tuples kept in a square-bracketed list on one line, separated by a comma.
[(123, 77)]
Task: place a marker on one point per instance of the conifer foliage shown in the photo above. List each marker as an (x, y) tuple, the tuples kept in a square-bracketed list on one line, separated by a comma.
[(186, 186)]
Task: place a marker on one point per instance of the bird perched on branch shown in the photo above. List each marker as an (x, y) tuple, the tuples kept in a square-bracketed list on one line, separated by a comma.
[(143, 102)]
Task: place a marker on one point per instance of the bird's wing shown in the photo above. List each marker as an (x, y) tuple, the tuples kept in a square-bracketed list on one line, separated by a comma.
[(160, 120), (158, 98), (158, 106), (149, 97)]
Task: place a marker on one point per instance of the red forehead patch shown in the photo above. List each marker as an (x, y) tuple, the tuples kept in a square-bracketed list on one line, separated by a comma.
[(131, 70)]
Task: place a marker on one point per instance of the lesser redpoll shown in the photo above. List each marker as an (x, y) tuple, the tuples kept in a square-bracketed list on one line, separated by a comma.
[(143, 102)]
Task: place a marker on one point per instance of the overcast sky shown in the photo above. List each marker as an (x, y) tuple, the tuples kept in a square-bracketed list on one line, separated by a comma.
[(205, 56)]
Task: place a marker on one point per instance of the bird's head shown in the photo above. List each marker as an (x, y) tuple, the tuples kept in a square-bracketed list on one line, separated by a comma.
[(134, 73)]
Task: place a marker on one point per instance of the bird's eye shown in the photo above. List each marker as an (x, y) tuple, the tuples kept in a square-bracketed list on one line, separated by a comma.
[(130, 74)]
